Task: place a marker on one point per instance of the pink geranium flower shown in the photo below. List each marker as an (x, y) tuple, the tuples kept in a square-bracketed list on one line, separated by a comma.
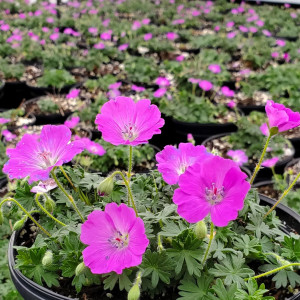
[(113, 93), (205, 85), (136, 25), (270, 163), (280, 43), (106, 36), (54, 36), (4, 120), (44, 186), (214, 68), (115, 86), (162, 81), (215, 186), (36, 159), (93, 30), (173, 162), (159, 92), (92, 147), (275, 54), (137, 89), (122, 121), (266, 32), (73, 94), (5, 27), (231, 104), (227, 92), (231, 35), (123, 47), (146, 21), (8, 135), (180, 58), (239, 156), (171, 36), (99, 46), (264, 129), (148, 36), (281, 117), (72, 122), (116, 239)]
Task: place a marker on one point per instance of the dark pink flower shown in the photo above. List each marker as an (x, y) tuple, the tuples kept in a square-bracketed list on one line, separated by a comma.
[(112, 94), (275, 54), (148, 36), (173, 162), (267, 33), (8, 135), (123, 47), (73, 94), (115, 86), (44, 186), (243, 28), (286, 56), (293, 15), (93, 30), (171, 36), (217, 28), (136, 25), (122, 121), (5, 27), (99, 46), (146, 21), (231, 35), (269, 163), (93, 147), (280, 43), (253, 29), (162, 82), (4, 120), (230, 24), (106, 36), (205, 85), (227, 92), (281, 117), (73, 122), (116, 239), (36, 159), (106, 22), (260, 23), (137, 89), (180, 58), (264, 129), (238, 156), (178, 21), (54, 36), (159, 92), (194, 80), (216, 186), (214, 68), (231, 104)]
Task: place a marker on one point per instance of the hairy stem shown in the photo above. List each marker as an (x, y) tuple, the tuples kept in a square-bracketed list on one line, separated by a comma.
[(26, 212), (46, 211), (211, 236)]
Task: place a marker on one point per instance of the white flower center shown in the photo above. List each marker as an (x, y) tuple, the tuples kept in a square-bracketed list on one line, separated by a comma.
[(130, 132), (119, 240), (45, 159), (214, 195)]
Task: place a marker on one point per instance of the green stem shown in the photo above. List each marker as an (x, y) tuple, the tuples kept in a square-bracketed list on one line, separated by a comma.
[(84, 199), (260, 160), (274, 271), (26, 212), (194, 89), (209, 243), (128, 189), (130, 163), (46, 211), (283, 195), (70, 198)]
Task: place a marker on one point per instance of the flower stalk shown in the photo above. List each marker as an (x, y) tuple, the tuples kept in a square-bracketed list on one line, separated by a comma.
[(70, 198), (46, 212), (211, 236), (26, 212), (257, 167), (283, 195)]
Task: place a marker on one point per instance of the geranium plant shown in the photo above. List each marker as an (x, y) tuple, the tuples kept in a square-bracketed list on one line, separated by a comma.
[(146, 235)]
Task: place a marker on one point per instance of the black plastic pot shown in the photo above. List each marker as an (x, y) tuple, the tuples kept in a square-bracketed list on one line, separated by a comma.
[(296, 143), (248, 109), (264, 173), (32, 291), (40, 91), (43, 119), (200, 131)]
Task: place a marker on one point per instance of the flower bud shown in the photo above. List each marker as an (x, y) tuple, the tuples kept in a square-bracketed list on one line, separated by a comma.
[(49, 204), (47, 259), (106, 186), (80, 269), (1, 216), (134, 293), (200, 230), (19, 224)]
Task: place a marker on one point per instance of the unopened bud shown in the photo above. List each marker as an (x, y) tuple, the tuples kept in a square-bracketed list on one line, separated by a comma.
[(49, 204), (200, 230), (19, 224), (134, 293), (190, 139), (106, 186), (80, 269), (1, 217), (47, 259)]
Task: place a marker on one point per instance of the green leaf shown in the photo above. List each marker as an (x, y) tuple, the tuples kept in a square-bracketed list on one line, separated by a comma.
[(254, 292), (186, 252), (194, 290), (291, 248), (221, 292), (158, 266), (124, 281), (232, 269), (24, 196), (247, 245)]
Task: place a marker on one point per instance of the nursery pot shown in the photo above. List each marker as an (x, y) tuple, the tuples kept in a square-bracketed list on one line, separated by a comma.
[(32, 291), (249, 108), (200, 131), (264, 173)]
